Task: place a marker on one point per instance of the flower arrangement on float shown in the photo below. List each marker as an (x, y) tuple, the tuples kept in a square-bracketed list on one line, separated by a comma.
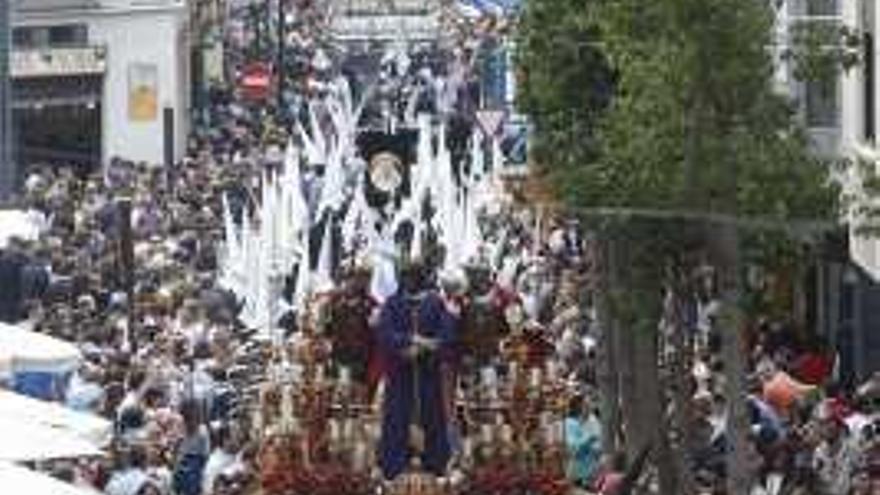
[(510, 479), (517, 450), (320, 479), (313, 427), (317, 431)]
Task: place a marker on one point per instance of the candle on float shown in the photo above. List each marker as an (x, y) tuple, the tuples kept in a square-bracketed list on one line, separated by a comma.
[(468, 447), (258, 422), (556, 432), (287, 403), (359, 457), (499, 420), (513, 371), (373, 432), (486, 432), (335, 430), (345, 376), (552, 370), (550, 435), (489, 379), (493, 393), (535, 378), (348, 429), (488, 376), (319, 374), (544, 420), (304, 450), (507, 433)]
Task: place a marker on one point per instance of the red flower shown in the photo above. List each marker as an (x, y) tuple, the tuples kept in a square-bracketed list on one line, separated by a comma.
[(497, 479), (547, 484), (508, 479)]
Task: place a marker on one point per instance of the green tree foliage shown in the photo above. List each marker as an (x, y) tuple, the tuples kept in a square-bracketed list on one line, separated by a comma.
[(694, 121), (566, 82)]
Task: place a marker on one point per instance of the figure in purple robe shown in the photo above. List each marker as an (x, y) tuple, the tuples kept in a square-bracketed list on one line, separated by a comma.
[(416, 332)]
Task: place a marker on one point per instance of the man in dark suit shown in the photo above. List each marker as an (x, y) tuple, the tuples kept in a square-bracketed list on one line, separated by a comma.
[(22, 280)]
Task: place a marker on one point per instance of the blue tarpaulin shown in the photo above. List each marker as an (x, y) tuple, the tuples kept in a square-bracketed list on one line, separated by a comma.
[(36, 364), (41, 384)]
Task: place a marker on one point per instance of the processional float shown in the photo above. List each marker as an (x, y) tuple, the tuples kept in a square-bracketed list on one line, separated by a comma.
[(316, 425)]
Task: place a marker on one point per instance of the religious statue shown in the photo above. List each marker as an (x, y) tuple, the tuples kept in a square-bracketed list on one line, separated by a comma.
[(483, 322), (415, 334), (351, 309)]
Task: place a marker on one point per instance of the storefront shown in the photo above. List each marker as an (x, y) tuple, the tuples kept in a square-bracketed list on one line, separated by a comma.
[(93, 81), (57, 106)]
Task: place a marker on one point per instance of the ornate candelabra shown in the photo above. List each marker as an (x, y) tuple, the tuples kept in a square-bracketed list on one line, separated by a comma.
[(315, 427), (516, 419)]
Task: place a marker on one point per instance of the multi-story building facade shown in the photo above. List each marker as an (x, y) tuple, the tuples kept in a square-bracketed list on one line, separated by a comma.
[(387, 20), (97, 79), (841, 114)]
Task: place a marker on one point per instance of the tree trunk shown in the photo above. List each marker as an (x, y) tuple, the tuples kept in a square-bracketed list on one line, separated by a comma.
[(725, 248), (639, 309), (607, 349), (680, 397), (626, 360), (653, 406), (799, 299)]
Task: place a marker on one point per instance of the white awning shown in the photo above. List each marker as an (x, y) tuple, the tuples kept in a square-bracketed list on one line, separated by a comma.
[(23, 441), (18, 223), (16, 407), (22, 480), (23, 350)]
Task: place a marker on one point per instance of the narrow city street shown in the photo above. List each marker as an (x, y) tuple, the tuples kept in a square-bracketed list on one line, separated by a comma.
[(470, 247)]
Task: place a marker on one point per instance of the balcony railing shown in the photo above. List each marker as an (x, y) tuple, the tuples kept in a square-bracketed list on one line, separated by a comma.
[(363, 8), (48, 62), (386, 27)]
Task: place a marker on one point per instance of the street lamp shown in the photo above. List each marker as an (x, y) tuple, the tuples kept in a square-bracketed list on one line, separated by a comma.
[(206, 17), (8, 171), (282, 32)]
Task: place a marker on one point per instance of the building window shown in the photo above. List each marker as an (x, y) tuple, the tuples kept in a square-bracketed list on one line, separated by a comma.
[(20, 37), (31, 37), (69, 35), (821, 103), (66, 35), (822, 7), (870, 96)]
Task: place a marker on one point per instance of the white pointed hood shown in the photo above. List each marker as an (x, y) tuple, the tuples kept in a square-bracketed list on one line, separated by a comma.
[(383, 283), (303, 278), (323, 279)]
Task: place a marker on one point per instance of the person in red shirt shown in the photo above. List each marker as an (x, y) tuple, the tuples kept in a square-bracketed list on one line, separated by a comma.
[(814, 367), (609, 480), (783, 392)]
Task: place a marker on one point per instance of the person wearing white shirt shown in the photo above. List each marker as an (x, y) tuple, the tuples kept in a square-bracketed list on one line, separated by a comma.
[(133, 479), (223, 458), (84, 394)]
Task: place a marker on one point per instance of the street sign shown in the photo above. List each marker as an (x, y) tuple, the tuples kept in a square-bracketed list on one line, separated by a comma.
[(256, 81), (490, 122)]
